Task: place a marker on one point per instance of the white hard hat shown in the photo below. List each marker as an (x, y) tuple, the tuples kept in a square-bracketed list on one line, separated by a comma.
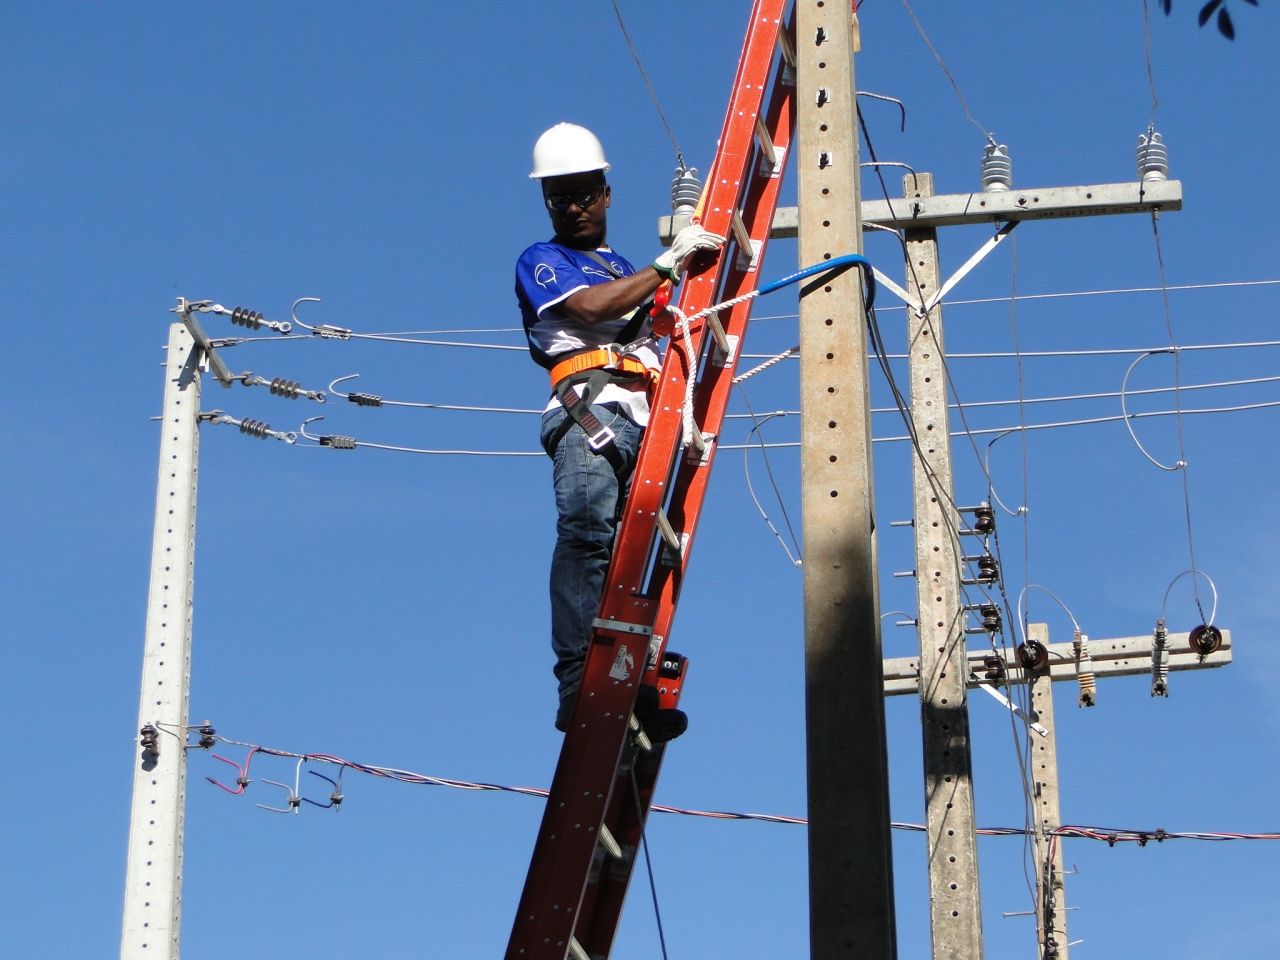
[(567, 148)]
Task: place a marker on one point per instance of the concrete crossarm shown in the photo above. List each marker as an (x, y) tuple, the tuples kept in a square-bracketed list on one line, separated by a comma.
[(955, 209), (1126, 656)]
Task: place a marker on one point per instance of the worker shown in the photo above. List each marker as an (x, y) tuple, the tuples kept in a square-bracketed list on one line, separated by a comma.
[(585, 312)]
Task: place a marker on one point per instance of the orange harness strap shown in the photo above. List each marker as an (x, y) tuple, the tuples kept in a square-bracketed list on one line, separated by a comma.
[(593, 359)]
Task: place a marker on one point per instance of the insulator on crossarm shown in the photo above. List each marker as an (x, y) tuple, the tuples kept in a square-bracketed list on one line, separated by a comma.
[(246, 318), (1033, 655), (984, 519), (997, 167), (149, 738), (1153, 157), (988, 569), (1205, 640), (993, 665), (208, 736), (991, 621), (1084, 671), (281, 387), (686, 191), (256, 428), (1160, 661)]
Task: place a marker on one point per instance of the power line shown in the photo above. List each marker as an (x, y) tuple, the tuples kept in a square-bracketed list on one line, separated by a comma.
[(1110, 835), (964, 104)]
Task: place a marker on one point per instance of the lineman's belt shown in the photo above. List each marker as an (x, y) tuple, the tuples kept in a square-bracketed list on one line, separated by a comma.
[(603, 358)]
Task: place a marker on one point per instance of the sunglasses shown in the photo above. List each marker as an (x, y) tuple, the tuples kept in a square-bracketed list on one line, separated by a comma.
[(560, 202)]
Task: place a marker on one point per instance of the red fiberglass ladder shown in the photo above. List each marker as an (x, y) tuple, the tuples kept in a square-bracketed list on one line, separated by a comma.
[(605, 778)]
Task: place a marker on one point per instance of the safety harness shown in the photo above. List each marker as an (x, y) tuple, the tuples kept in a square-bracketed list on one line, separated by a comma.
[(593, 369)]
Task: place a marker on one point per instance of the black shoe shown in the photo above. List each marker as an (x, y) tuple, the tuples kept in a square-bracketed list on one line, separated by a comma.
[(565, 713), (660, 726)]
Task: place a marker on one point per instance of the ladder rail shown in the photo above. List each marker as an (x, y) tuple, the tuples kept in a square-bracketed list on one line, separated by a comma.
[(724, 184), (688, 488), (711, 401)]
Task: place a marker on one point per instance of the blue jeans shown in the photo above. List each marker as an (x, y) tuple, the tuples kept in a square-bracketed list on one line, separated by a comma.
[(590, 495)]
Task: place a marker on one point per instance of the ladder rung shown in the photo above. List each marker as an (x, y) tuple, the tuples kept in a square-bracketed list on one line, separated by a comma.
[(740, 232), (787, 48), (768, 153), (665, 530), (610, 845), (642, 738), (717, 331)]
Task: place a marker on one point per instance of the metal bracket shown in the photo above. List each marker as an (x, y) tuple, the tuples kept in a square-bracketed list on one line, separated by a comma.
[(1009, 704), (701, 455), (220, 369), (619, 626), (978, 256)]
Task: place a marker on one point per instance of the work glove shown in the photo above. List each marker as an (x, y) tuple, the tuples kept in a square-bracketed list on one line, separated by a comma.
[(689, 241)]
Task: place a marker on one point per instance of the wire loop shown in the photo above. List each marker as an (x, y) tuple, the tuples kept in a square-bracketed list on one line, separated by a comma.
[(1124, 388)]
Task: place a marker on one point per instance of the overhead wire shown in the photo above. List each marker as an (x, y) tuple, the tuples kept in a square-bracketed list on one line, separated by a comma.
[(1111, 835), (964, 104), (758, 427), (1181, 433), (653, 95), (1020, 692), (318, 442)]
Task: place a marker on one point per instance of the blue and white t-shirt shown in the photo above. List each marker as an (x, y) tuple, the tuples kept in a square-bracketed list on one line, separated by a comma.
[(546, 275)]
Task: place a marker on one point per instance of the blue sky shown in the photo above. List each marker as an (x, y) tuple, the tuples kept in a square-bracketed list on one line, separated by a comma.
[(390, 608)]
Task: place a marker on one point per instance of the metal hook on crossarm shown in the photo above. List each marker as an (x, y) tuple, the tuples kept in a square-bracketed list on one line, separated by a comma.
[(293, 312), (324, 440), (359, 399), (326, 330)]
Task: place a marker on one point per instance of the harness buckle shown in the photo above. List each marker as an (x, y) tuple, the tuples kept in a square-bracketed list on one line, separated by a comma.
[(602, 438)]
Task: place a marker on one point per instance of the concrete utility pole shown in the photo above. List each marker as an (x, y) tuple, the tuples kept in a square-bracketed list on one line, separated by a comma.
[(153, 879), (955, 908), (850, 855), (1051, 898)]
